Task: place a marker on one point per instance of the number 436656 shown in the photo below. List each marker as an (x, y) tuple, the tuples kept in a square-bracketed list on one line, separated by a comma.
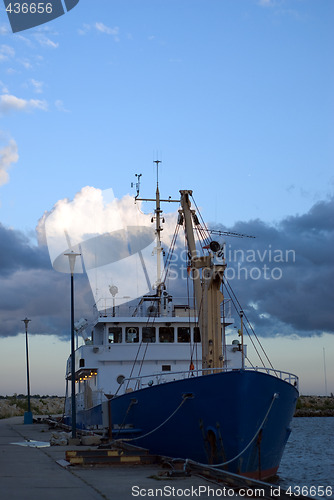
[(29, 8)]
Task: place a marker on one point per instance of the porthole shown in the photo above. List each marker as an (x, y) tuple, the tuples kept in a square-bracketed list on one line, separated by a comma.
[(120, 379)]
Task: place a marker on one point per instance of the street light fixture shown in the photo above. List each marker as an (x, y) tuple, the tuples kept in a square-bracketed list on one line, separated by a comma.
[(72, 256), (27, 414)]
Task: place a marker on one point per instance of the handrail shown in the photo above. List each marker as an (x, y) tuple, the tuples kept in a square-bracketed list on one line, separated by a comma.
[(106, 306), (161, 377)]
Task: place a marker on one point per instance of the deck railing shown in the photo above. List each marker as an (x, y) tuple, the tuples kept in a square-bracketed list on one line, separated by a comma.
[(134, 383), (108, 307)]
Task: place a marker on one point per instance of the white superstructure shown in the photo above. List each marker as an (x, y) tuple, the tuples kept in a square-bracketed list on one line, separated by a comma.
[(156, 348)]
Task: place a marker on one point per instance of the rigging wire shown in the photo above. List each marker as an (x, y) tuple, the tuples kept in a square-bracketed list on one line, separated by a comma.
[(250, 326), (192, 346), (150, 316), (229, 291), (204, 238), (249, 362), (201, 229), (170, 253), (200, 215)]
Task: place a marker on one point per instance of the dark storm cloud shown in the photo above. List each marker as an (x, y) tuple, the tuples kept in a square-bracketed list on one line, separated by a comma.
[(29, 286), (17, 253), (285, 276)]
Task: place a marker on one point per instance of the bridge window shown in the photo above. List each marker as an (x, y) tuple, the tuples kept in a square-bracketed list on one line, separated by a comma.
[(148, 334), (197, 335), (166, 334), (183, 334), (115, 335), (132, 334)]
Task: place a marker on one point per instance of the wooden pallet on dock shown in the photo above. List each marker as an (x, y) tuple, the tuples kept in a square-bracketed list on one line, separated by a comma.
[(112, 456)]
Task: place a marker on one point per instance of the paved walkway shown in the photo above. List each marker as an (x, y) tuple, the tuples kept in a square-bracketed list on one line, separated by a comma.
[(28, 473)]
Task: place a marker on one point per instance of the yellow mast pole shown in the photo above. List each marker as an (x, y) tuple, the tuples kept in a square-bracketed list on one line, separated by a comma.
[(158, 227), (207, 293)]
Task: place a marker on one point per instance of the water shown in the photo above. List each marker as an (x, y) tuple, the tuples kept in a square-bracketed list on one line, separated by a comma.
[(308, 459)]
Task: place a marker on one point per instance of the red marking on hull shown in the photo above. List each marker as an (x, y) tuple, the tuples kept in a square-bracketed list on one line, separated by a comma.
[(264, 474)]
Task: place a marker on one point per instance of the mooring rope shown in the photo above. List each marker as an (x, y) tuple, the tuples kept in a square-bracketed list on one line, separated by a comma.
[(185, 397), (188, 460)]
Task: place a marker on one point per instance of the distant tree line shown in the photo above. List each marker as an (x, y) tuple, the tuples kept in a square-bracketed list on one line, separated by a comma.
[(24, 396)]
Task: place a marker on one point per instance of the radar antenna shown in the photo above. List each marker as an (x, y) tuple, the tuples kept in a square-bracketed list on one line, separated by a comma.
[(137, 184), (229, 233)]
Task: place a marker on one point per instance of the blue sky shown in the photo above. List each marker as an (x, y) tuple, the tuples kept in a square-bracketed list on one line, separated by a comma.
[(234, 96)]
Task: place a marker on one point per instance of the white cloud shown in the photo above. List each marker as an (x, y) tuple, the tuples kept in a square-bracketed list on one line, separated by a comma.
[(4, 30), (44, 41), (4, 89), (266, 3), (6, 52), (25, 63), (109, 234), (38, 86), (8, 156), (60, 106), (24, 39), (102, 28), (10, 103), (85, 28)]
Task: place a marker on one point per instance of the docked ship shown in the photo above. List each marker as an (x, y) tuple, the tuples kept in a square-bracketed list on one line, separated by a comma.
[(160, 375)]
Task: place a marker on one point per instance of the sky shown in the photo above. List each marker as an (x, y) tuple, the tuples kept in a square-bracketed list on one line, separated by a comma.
[(235, 97)]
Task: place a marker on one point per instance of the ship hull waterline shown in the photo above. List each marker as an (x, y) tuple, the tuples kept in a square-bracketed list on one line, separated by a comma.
[(241, 417)]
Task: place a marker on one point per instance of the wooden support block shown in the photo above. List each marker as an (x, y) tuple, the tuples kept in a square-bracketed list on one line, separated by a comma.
[(129, 459), (76, 460), (71, 454)]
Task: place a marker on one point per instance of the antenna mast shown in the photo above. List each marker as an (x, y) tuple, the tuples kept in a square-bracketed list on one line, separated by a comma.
[(158, 221)]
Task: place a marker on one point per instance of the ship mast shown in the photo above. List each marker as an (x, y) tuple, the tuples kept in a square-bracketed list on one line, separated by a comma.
[(208, 278), (158, 222)]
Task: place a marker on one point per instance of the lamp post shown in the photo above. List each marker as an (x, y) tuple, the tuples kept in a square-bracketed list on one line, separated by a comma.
[(27, 414), (72, 256)]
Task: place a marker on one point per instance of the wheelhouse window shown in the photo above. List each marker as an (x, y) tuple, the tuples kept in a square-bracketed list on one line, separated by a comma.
[(183, 334), (197, 334), (166, 334), (148, 333), (132, 334), (115, 335)]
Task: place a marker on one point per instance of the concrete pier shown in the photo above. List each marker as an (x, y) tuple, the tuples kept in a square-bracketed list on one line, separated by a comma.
[(33, 473)]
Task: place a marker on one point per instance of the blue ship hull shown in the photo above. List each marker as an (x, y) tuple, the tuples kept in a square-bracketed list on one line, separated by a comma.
[(240, 418)]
